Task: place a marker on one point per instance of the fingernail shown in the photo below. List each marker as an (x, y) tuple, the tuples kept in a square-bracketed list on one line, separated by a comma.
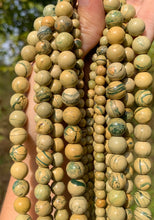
[(83, 2)]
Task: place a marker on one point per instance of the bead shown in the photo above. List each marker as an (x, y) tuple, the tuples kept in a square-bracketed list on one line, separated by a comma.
[(72, 134), (129, 186), (142, 213), (142, 199), (61, 214), (23, 217), (142, 132), (129, 172), (116, 53), (18, 101), (117, 197), (32, 38), (78, 205), (58, 159), (115, 108), (58, 174), (64, 9), (43, 62), (70, 96), (76, 187), (43, 175), (117, 145), (135, 27), (44, 159), (142, 182), (129, 157), (116, 90), (28, 53), (75, 170), (17, 119), (141, 45), (128, 100), (58, 144), (18, 153), (130, 69), (43, 94), (18, 136), (43, 208), (55, 71), (143, 97), (63, 24), (57, 116), (127, 40), (44, 142), (117, 181), (128, 12), (44, 33), (78, 217), (129, 54), (59, 202), (143, 80), (111, 5), (58, 188), (20, 188), (66, 60), (142, 149), (48, 21), (45, 218), (68, 78), (142, 62), (142, 165), (129, 84), (54, 56), (115, 35), (23, 68), (22, 205), (44, 110), (114, 18), (19, 170), (58, 130), (64, 41), (37, 23), (72, 115), (44, 126), (43, 78), (117, 126), (42, 192), (143, 115), (116, 71), (49, 10), (118, 163), (116, 213)]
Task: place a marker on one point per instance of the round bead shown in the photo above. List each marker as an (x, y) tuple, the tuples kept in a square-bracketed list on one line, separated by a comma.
[(128, 12), (135, 27), (18, 101), (57, 116), (48, 21), (58, 130), (20, 85), (115, 35), (64, 41), (58, 144), (18, 119), (42, 192), (61, 214), (114, 18), (143, 115), (142, 62), (58, 188), (44, 33), (142, 149), (49, 10), (111, 5), (18, 136), (63, 24), (118, 163), (59, 202), (43, 94), (116, 71), (32, 38), (143, 80), (129, 54), (44, 110), (72, 115), (43, 175), (143, 182), (44, 126), (141, 44), (64, 9), (19, 170), (78, 217), (72, 134), (43, 208), (20, 188), (23, 217), (143, 97), (68, 78), (130, 69), (142, 165), (75, 170), (43, 78), (66, 60), (58, 174), (76, 187), (117, 197), (23, 68), (142, 132), (116, 90), (117, 126), (142, 199), (44, 159), (44, 142), (22, 205), (117, 145), (70, 96), (28, 53), (117, 181), (37, 23), (78, 205), (116, 213), (142, 213), (43, 62), (129, 84), (129, 186), (18, 153), (116, 53)]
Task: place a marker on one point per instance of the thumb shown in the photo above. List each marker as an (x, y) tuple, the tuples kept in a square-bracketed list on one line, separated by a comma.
[(91, 22)]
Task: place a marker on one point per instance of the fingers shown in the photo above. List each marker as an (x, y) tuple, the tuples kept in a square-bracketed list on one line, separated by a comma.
[(91, 22)]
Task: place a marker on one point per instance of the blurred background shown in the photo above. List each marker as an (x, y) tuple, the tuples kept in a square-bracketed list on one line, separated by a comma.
[(16, 21)]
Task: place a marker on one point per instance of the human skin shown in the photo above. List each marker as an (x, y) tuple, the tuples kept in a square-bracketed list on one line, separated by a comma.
[(92, 24)]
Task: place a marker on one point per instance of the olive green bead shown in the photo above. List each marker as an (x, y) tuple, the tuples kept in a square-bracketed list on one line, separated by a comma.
[(116, 71), (43, 94), (63, 24), (44, 142), (43, 175), (117, 145), (43, 62), (44, 126), (143, 80), (18, 119), (117, 181), (118, 163), (20, 188), (142, 149), (142, 165), (66, 60), (18, 153), (23, 217), (116, 213), (28, 53), (58, 188), (115, 90), (59, 202), (142, 199), (142, 132), (43, 78), (117, 198), (143, 97), (143, 115), (61, 214), (42, 192), (44, 159), (142, 62), (43, 208), (135, 27), (111, 5), (114, 18), (44, 33), (141, 45), (23, 68), (49, 10), (64, 41), (78, 205), (22, 205), (44, 110), (37, 23), (76, 187), (32, 38), (18, 101), (117, 126), (70, 97), (19, 170), (115, 53), (128, 12), (143, 182), (69, 78), (115, 108), (18, 135), (142, 213), (75, 170), (64, 9)]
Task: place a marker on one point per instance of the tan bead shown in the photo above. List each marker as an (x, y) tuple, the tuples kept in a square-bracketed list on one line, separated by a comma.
[(59, 202), (115, 108), (76, 187), (75, 169), (48, 21), (129, 84), (32, 38), (43, 175), (111, 5), (55, 71), (68, 78), (23, 68), (115, 35), (66, 60), (70, 96), (23, 217), (143, 80), (116, 90), (20, 85), (37, 23), (128, 12), (135, 27), (61, 214), (101, 203), (45, 218), (43, 62), (42, 192), (43, 47), (116, 213), (142, 199), (142, 213), (44, 159), (130, 69), (63, 24), (129, 186), (130, 55), (19, 170), (57, 116), (28, 53), (100, 70), (44, 126), (78, 205), (143, 115), (129, 201), (100, 194), (78, 217), (18, 153), (58, 130), (142, 132), (128, 100), (54, 57), (116, 71), (117, 181), (57, 101), (58, 188), (142, 165), (58, 159), (118, 163), (143, 97), (142, 149), (64, 9), (128, 40), (58, 174), (117, 197), (143, 182), (142, 62), (74, 152), (114, 18), (56, 86), (44, 142), (18, 101), (18, 118), (18, 135), (116, 53), (58, 144), (43, 208), (22, 205)]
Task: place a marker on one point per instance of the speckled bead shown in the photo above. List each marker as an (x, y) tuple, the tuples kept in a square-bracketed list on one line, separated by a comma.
[(43, 175), (42, 192), (64, 9), (44, 159), (116, 213), (115, 108), (44, 126), (43, 208), (143, 97), (143, 115), (18, 101), (118, 163), (48, 21), (141, 45), (117, 197), (114, 18), (142, 132), (142, 62), (63, 213), (58, 188), (20, 188), (142, 165), (70, 97), (128, 11), (63, 24), (20, 85), (135, 27), (116, 90), (78, 205), (142, 149), (116, 71), (22, 205), (49, 10), (75, 170), (64, 41), (142, 199), (43, 62), (44, 33), (43, 47), (17, 119), (18, 153), (59, 202), (23, 68), (142, 213), (117, 181), (117, 126), (43, 94)]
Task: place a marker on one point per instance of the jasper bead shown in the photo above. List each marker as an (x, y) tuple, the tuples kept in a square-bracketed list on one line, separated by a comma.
[(37, 23), (18, 119), (58, 159), (142, 62), (143, 182), (142, 199), (43, 175), (18, 101), (45, 218), (116, 53), (129, 84), (116, 90), (63, 24), (22, 205), (19, 170), (70, 96), (76, 187), (44, 126), (18, 136), (141, 45), (117, 126), (64, 41), (143, 115), (117, 145), (64, 9), (143, 97), (116, 71), (43, 94), (42, 192), (49, 10), (142, 213), (43, 62), (72, 115), (116, 213), (117, 197), (18, 153), (78, 205), (58, 188), (117, 181), (58, 174), (20, 188), (66, 60), (44, 159), (28, 53), (115, 35), (78, 217), (68, 78), (75, 170), (43, 208), (115, 108), (59, 202), (32, 38), (44, 142), (142, 149), (48, 21), (128, 11), (118, 163), (23, 68), (111, 5), (44, 33), (143, 80), (23, 217), (63, 213), (142, 165), (135, 27), (114, 18), (142, 132)]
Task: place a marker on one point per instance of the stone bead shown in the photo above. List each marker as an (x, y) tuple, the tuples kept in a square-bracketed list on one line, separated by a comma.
[(18, 101), (141, 45), (55, 71), (23, 217), (58, 174), (45, 218), (44, 110), (128, 100), (127, 40), (63, 24), (115, 90), (143, 80), (128, 115), (116, 213), (66, 60), (20, 188), (114, 18), (44, 159), (129, 84), (100, 60), (28, 53), (117, 181), (100, 194), (32, 38), (64, 41), (143, 182), (129, 54), (72, 115), (130, 69), (37, 23), (129, 172), (99, 119), (59, 202), (18, 136), (115, 108), (142, 165), (61, 214), (76, 187), (76, 33), (135, 27), (70, 96), (43, 62), (57, 116), (43, 94), (42, 192), (78, 205), (142, 132), (111, 5), (143, 115), (18, 119), (22, 205), (44, 33), (128, 12), (117, 126), (69, 78), (56, 86), (18, 153), (49, 10), (78, 217), (44, 126), (19, 170), (129, 157), (118, 163), (142, 213), (117, 198), (115, 35), (142, 199), (142, 62), (116, 71), (100, 203), (58, 144), (72, 134), (129, 186), (58, 159), (48, 21), (20, 85), (99, 129), (43, 175), (99, 157), (58, 130), (142, 149), (100, 80), (43, 78), (54, 57), (143, 97), (58, 188), (64, 9), (44, 142), (115, 53), (75, 170), (117, 145), (23, 68), (43, 208)]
